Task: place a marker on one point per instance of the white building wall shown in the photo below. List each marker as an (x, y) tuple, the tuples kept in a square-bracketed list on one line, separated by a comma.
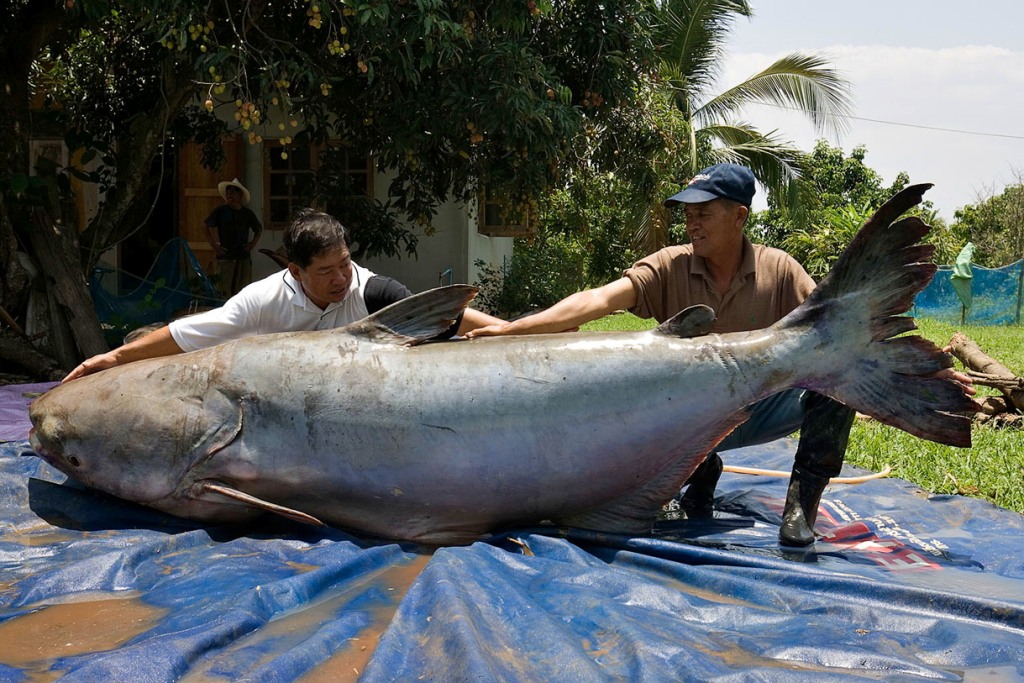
[(493, 251), (446, 256)]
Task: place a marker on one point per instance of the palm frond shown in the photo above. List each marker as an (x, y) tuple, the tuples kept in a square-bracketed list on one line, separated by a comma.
[(648, 225), (738, 142), (799, 81), (776, 163), (690, 36)]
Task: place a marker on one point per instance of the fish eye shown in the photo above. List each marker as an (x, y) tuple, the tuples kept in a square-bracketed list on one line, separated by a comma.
[(74, 461)]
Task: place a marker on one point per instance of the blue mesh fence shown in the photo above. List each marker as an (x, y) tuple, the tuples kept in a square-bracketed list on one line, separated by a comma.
[(175, 285), (995, 300)]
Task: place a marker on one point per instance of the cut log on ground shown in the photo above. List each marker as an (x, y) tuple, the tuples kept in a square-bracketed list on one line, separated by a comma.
[(987, 371)]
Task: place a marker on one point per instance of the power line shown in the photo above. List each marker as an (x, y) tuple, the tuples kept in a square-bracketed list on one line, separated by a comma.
[(897, 123)]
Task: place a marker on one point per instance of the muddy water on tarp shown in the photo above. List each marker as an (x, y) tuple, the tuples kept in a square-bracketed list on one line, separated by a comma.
[(46, 535), (94, 622), (347, 664)]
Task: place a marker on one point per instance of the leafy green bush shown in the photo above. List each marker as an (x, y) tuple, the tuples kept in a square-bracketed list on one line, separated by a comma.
[(583, 241), (540, 273)]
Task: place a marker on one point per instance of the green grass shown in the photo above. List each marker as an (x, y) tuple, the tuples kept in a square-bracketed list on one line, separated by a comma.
[(992, 469), (620, 322)]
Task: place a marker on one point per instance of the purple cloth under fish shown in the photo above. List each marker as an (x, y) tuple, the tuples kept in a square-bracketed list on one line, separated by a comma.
[(14, 400)]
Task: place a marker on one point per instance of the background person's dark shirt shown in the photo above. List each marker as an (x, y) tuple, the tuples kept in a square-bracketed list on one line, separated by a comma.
[(233, 228)]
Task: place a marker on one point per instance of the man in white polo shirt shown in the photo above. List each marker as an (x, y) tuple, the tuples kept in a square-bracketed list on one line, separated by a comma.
[(320, 289)]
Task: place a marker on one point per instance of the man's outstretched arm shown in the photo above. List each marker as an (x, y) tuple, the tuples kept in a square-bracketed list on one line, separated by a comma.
[(153, 345), (569, 313)]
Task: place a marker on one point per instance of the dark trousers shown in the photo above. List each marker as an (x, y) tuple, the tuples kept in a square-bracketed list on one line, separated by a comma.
[(824, 425), (235, 273)]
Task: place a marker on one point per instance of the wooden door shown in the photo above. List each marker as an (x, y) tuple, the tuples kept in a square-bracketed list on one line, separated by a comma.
[(198, 194)]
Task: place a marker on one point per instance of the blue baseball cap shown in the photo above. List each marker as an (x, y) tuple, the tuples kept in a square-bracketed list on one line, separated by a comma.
[(721, 181)]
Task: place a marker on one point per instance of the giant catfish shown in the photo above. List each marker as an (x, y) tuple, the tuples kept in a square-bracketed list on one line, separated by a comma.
[(367, 429)]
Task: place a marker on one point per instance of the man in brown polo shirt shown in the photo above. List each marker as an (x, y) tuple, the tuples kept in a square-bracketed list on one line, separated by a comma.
[(750, 287)]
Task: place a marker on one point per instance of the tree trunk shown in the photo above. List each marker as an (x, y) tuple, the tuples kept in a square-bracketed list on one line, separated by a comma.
[(56, 248), (32, 25), (73, 328), (22, 362), (14, 279), (987, 370)]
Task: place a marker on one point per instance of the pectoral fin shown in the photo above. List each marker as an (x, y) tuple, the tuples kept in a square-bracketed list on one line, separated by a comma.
[(228, 492)]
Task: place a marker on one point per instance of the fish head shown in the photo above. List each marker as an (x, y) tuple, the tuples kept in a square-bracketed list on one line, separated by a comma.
[(73, 432), (133, 431)]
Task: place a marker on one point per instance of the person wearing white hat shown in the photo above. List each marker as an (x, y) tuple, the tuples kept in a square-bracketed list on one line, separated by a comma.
[(227, 229)]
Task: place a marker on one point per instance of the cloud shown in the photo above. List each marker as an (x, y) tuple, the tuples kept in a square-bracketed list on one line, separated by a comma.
[(936, 114)]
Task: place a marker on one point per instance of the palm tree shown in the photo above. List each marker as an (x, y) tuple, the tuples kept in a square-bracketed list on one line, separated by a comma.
[(689, 37)]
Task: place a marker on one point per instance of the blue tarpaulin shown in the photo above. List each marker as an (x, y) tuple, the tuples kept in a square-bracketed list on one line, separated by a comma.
[(903, 586)]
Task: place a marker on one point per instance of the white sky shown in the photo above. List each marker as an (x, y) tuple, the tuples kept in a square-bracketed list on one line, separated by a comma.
[(918, 65)]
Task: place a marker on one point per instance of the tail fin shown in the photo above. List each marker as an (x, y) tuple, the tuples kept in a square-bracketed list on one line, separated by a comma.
[(859, 307)]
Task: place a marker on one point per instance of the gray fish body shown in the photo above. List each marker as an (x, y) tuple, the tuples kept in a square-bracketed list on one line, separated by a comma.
[(438, 442), (365, 429), (447, 441)]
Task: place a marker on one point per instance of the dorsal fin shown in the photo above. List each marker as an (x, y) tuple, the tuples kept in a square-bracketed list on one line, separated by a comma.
[(690, 322), (417, 318)]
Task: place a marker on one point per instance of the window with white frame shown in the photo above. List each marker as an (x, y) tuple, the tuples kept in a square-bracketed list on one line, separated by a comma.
[(491, 220), (290, 173)]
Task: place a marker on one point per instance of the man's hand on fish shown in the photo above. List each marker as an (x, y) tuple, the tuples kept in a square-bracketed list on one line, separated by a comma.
[(950, 373), (153, 345), (91, 365), (498, 330)]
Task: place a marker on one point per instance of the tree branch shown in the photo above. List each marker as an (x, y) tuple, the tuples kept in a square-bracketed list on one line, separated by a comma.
[(136, 147)]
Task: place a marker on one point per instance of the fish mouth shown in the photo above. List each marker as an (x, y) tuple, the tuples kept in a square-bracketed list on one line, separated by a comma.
[(33, 441), (38, 448)]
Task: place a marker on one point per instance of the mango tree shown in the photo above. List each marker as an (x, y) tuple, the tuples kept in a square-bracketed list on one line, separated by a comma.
[(449, 95)]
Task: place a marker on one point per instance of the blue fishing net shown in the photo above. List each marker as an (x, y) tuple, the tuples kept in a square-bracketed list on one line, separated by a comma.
[(995, 296), (175, 285)]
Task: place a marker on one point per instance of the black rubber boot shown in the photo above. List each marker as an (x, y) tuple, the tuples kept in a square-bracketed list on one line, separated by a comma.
[(801, 509), (824, 435), (699, 498)]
